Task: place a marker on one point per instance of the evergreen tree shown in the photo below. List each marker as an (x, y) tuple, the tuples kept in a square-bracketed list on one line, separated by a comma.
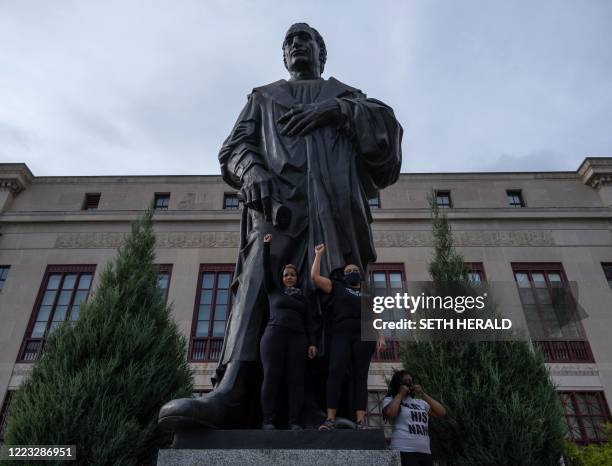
[(502, 408), (102, 379)]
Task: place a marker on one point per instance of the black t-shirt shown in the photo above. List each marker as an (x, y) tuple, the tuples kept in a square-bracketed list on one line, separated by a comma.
[(288, 311), (346, 302)]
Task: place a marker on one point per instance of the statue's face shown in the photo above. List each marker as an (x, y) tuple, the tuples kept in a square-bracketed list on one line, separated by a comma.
[(301, 51)]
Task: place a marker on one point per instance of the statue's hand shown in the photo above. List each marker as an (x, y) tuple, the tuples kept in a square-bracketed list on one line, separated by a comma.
[(302, 119), (258, 189)]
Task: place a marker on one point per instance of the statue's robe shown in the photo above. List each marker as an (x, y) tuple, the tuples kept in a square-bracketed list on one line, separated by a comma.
[(325, 178)]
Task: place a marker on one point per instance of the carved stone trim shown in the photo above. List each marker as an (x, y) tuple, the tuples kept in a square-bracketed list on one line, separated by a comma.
[(112, 240), (407, 238), (13, 186), (382, 238)]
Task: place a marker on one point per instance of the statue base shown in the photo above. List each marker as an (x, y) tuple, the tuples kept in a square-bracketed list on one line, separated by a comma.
[(292, 457), (264, 447)]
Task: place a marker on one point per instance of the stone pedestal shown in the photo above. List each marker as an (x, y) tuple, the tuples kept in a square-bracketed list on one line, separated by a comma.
[(340, 447), (292, 457)]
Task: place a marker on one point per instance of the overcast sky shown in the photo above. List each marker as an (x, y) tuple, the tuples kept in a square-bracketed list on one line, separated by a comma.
[(154, 87)]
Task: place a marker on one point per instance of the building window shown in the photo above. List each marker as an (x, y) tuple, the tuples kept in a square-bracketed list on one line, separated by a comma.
[(443, 199), (607, 268), (63, 290), (4, 269), (476, 272), (585, 416), (162, 200), (387, 279), (374, 202), (4, 412), (374, 416), (230, 201), (91, 201), (199, 393), (550, 313), (515, 198), (164, 272), (213, 304)]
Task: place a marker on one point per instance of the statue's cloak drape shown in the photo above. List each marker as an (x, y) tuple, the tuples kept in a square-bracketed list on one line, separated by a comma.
[(325, 178)]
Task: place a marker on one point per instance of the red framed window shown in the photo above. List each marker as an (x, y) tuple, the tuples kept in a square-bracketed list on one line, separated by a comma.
[(212, 308), (63, 289), (585, 415), (4, 412), (374, 416), (476, 272), (200, 393), (387, 278), (164, 273), (554, 327)]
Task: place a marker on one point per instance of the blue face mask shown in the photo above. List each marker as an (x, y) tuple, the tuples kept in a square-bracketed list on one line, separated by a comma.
[(352, 278)]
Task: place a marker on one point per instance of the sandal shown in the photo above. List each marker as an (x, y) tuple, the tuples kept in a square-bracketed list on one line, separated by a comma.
[(361, 425), (329, 424)]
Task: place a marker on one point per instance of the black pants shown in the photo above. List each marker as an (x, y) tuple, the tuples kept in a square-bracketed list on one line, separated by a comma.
[(283, 351), (347, 350), (415, 459)]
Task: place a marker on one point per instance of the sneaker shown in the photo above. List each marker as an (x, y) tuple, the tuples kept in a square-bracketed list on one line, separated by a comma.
[(268, 426), (295, 427), (329, 424)]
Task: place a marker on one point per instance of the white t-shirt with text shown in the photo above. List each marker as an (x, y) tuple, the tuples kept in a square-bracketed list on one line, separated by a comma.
[(411, 426)]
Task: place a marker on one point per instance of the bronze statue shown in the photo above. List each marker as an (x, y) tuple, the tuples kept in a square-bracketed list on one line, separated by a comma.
[(306, 155)]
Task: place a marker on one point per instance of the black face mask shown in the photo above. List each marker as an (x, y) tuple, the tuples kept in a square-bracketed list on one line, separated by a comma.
[(352, 278)]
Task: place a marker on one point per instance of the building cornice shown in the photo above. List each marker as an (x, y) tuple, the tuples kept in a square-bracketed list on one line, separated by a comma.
[(596, 171), (15, 177)]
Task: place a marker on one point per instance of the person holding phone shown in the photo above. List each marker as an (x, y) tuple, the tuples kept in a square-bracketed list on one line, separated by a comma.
[(286, 341), (409, 407), (347, 349)]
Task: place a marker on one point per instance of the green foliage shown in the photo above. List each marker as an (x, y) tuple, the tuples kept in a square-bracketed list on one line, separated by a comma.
[(447, 265), (103, 378), (591, 455), (502, 408)]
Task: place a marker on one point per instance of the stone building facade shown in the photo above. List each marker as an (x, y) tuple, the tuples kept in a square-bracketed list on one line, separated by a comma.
[(535, 229)]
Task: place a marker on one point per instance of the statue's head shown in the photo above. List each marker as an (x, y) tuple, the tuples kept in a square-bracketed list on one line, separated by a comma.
[(304, 49)]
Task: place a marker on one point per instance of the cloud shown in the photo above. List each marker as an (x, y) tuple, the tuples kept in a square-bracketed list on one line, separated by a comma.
[(135, 87), (542, 160)]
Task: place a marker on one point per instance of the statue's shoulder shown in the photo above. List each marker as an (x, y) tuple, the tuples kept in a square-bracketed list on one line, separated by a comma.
[(341, 87), (279, 90), (269, 87)]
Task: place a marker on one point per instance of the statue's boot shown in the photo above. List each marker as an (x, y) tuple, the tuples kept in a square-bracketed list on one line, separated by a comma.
[(225, 407)]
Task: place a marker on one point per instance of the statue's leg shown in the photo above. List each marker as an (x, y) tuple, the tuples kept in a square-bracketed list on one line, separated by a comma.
[(234, 402)]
